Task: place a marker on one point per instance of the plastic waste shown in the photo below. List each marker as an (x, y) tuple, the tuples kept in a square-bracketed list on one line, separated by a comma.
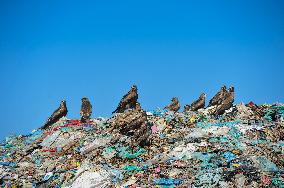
[(267, 165), (164, 181), (239, 148), (126, 153), (229, 156), (10, 164)]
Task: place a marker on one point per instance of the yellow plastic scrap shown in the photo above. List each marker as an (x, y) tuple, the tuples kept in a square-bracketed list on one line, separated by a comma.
[(192, 119), (236, 165), (236, 151), (268, 132)]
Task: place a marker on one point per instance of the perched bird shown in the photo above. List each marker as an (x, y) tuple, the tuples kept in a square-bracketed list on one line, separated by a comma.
[(86, 110), (57, 114), (128, 101), (186, 108), (227, 103), (218, 98), (174, 106), (199, 103)]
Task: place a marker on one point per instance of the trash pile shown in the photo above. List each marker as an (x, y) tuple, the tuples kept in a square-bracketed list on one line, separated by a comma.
[(243, 147)]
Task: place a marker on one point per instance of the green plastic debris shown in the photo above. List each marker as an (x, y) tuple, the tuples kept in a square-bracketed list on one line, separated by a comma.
[(205, 158), (109, 152), (66, 129), (8, 146), (132, 168), (208, 178), (256, 142), (235, 133), (278, 183), (268, 114), (219, 124), (202, 118), (274, 110), (126, 153), (222, 139)]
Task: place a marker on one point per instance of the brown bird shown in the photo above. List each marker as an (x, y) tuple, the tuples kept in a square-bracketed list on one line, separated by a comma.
[(86, 110), (57, 114), (174, 106), (199, 103), (186, 108), (227, 103), (128, 101), (219, 97)]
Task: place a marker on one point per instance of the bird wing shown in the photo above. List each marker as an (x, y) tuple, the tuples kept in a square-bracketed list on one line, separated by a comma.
[(86, 108), (177, 107), (126, 99), (215, 98), (89, 108), (56, 114), (194, 103), (169, 106), (130, 96)]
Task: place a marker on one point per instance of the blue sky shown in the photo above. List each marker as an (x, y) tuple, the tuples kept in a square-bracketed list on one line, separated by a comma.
[(54, 50)]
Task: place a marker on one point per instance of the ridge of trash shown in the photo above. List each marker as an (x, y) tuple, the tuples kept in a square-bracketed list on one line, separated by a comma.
[(242, 147)]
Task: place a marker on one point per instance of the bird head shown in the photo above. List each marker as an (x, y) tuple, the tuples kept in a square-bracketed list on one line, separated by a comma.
[(134, 88), (174, 99), (84, 99), (232, 89), (203, 95), (223, 88), (63, 103)]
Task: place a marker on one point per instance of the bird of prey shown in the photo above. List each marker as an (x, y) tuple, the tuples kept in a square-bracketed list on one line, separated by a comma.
[(57, 114), (218, 98), (128, 101), (86, 110), (199, 103), (186, 108), (174, 106), (227, 103)]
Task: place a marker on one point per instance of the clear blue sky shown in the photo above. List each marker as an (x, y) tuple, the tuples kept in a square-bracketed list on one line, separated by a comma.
[(54, 50)]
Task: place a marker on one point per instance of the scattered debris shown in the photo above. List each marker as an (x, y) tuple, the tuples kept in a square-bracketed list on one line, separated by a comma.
[(241, 147)]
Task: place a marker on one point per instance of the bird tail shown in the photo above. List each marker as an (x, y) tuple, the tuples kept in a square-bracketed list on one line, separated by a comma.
[(45, 125), (115, 111)]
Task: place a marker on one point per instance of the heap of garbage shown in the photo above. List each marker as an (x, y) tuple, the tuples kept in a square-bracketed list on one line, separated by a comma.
[(241, 146)]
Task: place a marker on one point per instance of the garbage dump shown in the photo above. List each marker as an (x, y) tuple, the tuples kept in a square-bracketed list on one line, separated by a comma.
[(243, 147)]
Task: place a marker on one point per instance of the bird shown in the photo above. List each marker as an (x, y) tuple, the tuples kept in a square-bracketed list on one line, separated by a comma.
[(227, 103), (217, 99), (128, 101), (186, 108), (57, 114), (199, 103), (86, 110), (174, 105)]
